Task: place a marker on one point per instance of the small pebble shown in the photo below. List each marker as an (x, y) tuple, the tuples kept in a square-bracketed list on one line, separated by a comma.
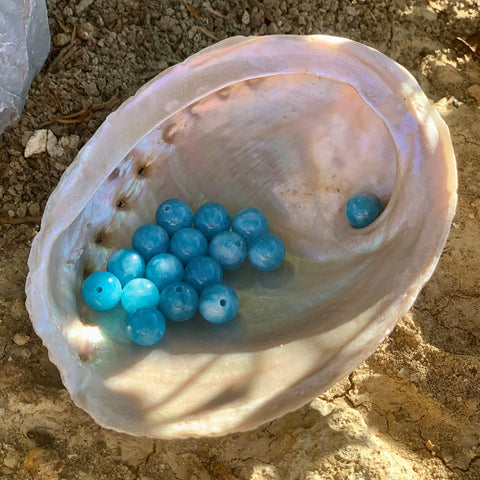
[(34, 209), (86, 31), (37, 143), (21, 339), (61, 39), (21, 211), (53, 149)]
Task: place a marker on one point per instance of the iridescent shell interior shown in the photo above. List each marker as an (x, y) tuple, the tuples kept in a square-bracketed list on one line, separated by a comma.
[(293, 126)]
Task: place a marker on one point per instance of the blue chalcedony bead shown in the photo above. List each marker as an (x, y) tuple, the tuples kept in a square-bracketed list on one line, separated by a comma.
[(266, 252), (139, 293), (173, 215), (188, 243), (202, 271), (178, 302), (150, 240), (164, 269), (102, 290), (362, 209), (250, 223), (218, 304), (146, 326), (126, 264), (212, 218), (229, 249)]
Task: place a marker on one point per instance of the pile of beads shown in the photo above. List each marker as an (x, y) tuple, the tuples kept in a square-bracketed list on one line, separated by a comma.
[(175, 267)]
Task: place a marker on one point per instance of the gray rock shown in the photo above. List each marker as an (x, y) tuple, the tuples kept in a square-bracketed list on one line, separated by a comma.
[(24, 46)]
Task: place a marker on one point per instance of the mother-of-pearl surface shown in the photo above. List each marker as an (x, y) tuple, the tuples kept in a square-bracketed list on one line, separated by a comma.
[(293, 126)]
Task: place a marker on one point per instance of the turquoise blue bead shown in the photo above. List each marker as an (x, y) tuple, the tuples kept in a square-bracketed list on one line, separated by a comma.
[(178, 302), (229, 249), (266, 252), (188, 243), (139, 293), (164, 269), (150, 240), (212, 218), (126, 264), (173, 215), (146, 326), (250, 223), (201, 272), (218, 304), (362, 209), (102, 290)]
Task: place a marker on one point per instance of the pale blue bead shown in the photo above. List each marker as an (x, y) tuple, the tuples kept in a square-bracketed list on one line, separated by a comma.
[(188, 243), (150, 240), (146, 326), (250, 223), (201, 272), (139, 293), (102, 290), (164, 269), (362, 209), (229, 249), (126, 264), (212, 218), (266, 252), (178, 302), (173, 215), (218, 304)]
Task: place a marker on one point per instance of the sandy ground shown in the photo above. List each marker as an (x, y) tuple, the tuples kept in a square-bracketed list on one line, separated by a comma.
[(411, 411)]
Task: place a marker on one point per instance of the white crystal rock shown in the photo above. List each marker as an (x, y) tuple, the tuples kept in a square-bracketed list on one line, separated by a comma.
[(24, 46)]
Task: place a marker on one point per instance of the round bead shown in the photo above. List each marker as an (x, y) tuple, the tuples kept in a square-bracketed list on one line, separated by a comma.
[(212, 218), (201, 272), (126, 264), (164, 269), (146, 326), (139, 293), (229, 249), (173, 215), (188, 243), (179, 302), (362, 209), (266, 252), (218, 304), (150, 240), (102, 290), (250, 223)]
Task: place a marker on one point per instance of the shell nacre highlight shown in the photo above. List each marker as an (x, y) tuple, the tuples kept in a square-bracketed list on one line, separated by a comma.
[(293, 125)]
